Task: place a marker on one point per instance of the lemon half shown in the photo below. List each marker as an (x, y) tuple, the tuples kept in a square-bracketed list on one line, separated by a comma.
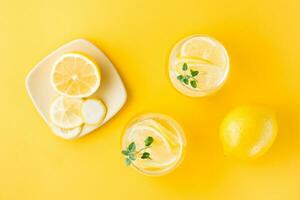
[(75, 75)]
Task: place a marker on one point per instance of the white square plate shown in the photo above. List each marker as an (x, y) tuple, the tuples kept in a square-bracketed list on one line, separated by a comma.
[(112, 91)]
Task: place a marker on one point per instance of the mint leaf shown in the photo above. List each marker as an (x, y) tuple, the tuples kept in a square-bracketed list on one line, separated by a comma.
[(131, 147), (145, 155), (180, 77), (193, 83), (148, 141), (194, 73), (184, 67), (127, 161), (125, 152), (132, 156), (186, 81)]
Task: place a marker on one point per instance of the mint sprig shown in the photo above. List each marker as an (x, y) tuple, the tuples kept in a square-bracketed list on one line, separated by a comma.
[(188, 79), (131, 153)]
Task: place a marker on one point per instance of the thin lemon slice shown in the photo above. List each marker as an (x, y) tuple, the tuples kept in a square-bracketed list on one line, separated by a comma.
[(75, 75), (205, 48), (189, 60), (209, 76), (67, 134), (160, 151), (170, 137), (140, 131), (65, 112), (93, 111)]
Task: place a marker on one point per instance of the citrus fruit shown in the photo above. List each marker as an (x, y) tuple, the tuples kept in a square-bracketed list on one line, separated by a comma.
[(165, 149), (248, 131), (188, 60), (206, 49), (163, 152), (93, 111), (67, 133), (165, 133), (75, 75), (209, 75), (65, 112)]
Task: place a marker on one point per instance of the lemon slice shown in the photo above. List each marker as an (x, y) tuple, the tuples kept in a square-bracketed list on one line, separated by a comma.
[(170, 137), (65, 112), (189, 60), (75, 75), (209, 76), (204, 48), (67, 134), (141, 129), (93, 111), (162, 151)]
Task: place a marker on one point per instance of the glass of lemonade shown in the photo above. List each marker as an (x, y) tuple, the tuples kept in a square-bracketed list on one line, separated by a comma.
[(198, 65), (153, 144)]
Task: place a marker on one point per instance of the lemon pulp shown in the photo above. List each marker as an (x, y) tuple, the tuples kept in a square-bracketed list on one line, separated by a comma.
[(65, 112), (166, 150), (75, 75)]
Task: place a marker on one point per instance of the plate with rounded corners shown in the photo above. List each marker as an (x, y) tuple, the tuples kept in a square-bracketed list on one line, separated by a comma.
[(111, 91)]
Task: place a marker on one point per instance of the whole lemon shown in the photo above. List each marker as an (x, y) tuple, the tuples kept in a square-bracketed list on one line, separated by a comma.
[(248, 131)]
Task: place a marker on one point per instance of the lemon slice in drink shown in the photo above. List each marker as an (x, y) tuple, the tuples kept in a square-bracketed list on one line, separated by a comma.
[(204, 48), (65, 112), (190, 60), (209, 75), (75, 75), (170, 138), (161, 151), (93, 111), (161, 155)]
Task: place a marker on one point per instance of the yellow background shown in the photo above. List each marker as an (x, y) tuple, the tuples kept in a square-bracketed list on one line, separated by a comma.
[(263, 42)]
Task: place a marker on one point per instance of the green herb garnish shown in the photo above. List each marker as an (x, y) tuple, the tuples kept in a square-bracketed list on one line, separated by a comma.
[(131, 154), (148, 141), (188, 79), (145, 155), (184, 67)]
